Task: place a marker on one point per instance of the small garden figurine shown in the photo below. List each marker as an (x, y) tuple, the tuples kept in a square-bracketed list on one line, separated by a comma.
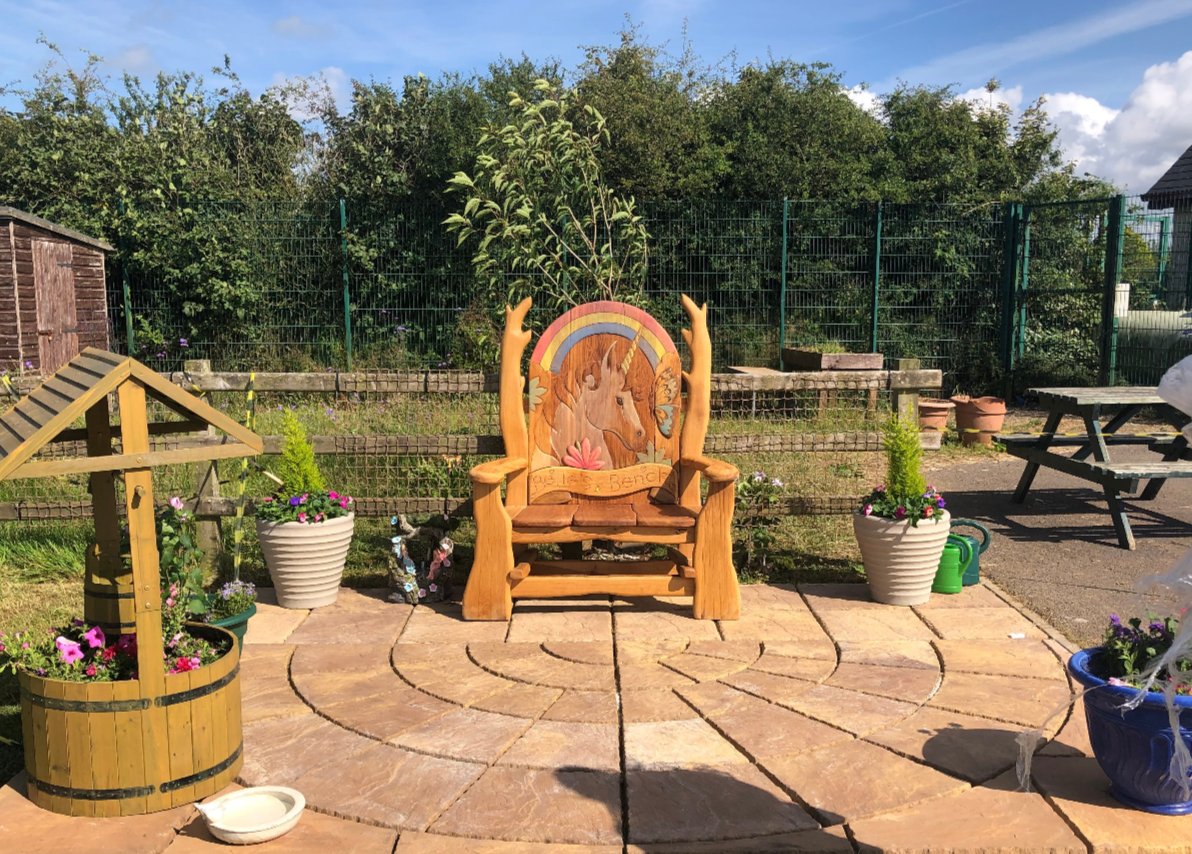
[(430, 582)]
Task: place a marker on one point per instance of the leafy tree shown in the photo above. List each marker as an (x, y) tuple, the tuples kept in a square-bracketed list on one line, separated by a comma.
[(539, 211)]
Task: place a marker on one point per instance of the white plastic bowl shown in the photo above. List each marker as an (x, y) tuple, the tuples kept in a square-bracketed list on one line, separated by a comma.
[(252, 815)]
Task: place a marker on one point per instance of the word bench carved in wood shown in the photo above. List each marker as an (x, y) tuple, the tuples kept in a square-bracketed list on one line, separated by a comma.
[(610, 450)]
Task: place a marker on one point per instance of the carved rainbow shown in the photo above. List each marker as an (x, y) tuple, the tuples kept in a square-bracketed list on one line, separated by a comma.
[(595, 318)]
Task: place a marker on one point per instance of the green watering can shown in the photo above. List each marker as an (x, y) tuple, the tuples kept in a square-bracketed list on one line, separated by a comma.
[(960, 564)]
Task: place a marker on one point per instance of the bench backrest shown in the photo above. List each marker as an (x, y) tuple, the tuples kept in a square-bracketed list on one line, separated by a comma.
[(605, 400)]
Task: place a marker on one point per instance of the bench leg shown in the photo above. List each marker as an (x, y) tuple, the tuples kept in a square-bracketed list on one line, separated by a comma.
[(1121, 525), (488, 595), (1028, 473), (1174, 452), (717, 596)]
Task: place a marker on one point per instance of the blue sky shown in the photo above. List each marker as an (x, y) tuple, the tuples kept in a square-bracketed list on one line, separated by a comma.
[(1117, 74)]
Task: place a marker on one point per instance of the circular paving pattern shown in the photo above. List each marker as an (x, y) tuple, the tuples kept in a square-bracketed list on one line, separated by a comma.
[(818, 715)]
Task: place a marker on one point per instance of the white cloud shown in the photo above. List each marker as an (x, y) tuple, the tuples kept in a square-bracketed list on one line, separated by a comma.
[(1132, 146), (984, 100), (137, 59), (864, 98), (298, 27)]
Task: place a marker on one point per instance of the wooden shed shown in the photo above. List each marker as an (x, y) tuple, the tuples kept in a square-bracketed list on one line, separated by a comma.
[(53, 295)]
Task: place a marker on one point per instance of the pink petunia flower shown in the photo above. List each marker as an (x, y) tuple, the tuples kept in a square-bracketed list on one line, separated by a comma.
[(90, 671), (900, 513), (867, 510), (68, 650), (301, 517), (333, 495), (94, 637), (176, 502)]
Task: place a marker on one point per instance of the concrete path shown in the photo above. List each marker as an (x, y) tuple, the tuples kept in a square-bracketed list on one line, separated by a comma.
[(821, 721)]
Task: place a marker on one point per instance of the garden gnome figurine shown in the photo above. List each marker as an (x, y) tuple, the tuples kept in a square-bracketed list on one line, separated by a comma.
[(436, 585)]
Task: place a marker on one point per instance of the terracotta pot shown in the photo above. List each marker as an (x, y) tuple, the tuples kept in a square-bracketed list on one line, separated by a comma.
[(933, 413), (306, 562), (901, 560), (979, 418)]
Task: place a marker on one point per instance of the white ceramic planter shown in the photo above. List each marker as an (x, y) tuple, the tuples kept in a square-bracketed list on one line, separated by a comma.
[(901, 560), (306, 562)]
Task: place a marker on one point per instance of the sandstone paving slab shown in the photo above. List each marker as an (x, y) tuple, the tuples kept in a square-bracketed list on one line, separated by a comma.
[(769, 686), (979, 623), (701, 804), (651, 675), (1080, 790), (649, 651), (519, 700), (386, 716), (462, 684), (278, 751), (1073, 736), (898, 683), (265, 688), (974, 749), (763, 730), (534, 805), (990, 818), (315, 833), (28, 829), (828, 839), (651, 620), (702, 668), (849, 710), (809, 669), (567, 744), (653, 745), (412, 842), (917, 655), (715, 698), (820, 648), (771, 612), (745, 650), (851, 780), (490, 655), (443, 622), (541, 668), (839, 596), (353, 619), (272, 623), (1029, 702), (973, 596), (891, 623), (465, 734), (561, 620), (388, 786), (654, 704), (322, 684), (1025, 657), (597, 707), (582, 652)]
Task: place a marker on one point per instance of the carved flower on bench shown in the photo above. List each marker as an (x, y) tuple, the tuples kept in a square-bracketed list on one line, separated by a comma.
[(582, 455)]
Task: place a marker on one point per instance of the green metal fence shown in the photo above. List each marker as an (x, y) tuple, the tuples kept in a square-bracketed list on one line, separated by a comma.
[(1028, 294)]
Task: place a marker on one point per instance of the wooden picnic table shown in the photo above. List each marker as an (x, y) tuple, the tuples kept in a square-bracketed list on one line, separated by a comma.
[(1115, 477)]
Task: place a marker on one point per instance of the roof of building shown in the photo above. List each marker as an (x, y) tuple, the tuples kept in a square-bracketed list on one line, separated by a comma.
[(1175, 184), (62, 231)]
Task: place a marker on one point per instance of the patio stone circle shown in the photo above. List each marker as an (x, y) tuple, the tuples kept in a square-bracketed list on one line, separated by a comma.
[(820, 721)]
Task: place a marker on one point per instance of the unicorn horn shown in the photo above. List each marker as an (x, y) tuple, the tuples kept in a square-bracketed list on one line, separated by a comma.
[(628, 360)]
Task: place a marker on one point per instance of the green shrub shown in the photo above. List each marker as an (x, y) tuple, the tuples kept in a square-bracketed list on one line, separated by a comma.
[(904, 460), (296, 467)]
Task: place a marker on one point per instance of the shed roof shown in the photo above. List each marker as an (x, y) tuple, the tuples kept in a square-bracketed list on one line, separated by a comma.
[(1174, 185), (47, 413), (7, 212)]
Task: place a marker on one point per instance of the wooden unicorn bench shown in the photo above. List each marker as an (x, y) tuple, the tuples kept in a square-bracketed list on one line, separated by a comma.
[(611, 452)]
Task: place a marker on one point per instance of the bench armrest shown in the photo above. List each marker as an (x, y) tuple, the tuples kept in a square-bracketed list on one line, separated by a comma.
[(494, 471), (717, 471)]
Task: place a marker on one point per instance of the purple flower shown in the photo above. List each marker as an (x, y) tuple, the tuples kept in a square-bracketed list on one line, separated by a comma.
[(1115, 620), (183, 343), (900, 512), (28, 364), (939, 503), (295, 500)]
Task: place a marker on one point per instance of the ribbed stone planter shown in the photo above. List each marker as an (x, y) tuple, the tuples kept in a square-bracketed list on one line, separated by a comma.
[(901, 560), (306, 562)]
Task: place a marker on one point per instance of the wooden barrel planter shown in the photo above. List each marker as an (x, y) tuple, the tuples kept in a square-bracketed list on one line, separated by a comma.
[(108, 749)]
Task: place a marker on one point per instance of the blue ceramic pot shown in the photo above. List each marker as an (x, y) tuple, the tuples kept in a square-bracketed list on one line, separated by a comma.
[(1133, 749)]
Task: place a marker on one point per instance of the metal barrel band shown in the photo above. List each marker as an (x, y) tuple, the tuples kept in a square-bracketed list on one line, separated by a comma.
[(202, 691), (92, 794), (59, 705), (107, 594), (206, 774)]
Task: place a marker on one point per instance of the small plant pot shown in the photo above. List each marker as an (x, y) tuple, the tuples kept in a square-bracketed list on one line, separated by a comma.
[(237, 624), (306, 561), (1133, 747), (933, 413), (978, 419), (901, 560)]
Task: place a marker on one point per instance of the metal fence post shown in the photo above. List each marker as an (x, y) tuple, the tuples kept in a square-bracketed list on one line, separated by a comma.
[(1011, 212), (129, 334), (1024, 280), (786, 210), (343, 246), (875, 303), (1114, 239)]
